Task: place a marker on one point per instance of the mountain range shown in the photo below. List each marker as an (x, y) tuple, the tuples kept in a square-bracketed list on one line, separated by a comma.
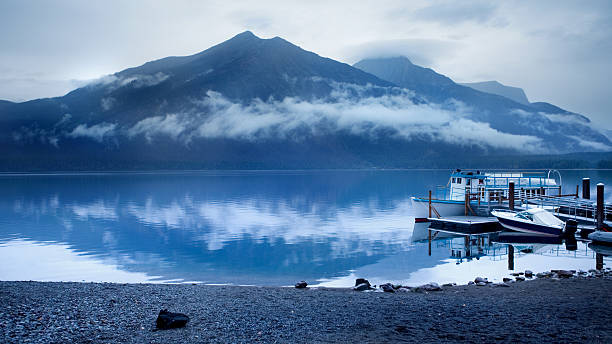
[(252, 103)]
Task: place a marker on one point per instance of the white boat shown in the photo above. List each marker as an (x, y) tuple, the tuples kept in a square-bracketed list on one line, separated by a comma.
[(483, 190), (535, 221), (601, 238)]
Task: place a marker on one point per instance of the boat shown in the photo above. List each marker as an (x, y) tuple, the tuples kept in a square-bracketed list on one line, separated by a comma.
[(467, 192), (601, 238), (535, 220)]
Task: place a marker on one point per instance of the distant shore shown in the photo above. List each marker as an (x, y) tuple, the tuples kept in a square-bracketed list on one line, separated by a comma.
[(576, 310)]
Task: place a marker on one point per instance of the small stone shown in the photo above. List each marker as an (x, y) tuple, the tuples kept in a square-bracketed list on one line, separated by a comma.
[(301, 285), (520, 278), (449, 284), (387, 288), (506, 279), (480, 280), (471, 283), (480, 284), (565, 273), (528, 273), (515, 274)]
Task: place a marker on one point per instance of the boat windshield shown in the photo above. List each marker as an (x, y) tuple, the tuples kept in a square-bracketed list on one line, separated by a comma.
[(525, 215), (540, 216)]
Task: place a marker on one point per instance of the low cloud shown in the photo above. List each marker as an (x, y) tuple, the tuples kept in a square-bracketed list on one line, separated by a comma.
[(424, 52), (293, 118), (107, 103), (591, 145), (96, 132), (171, 125), (115, 81)]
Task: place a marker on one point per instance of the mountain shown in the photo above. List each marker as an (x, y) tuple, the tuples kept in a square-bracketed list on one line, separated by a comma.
[(564, 130), (252, 103), (515, 93)]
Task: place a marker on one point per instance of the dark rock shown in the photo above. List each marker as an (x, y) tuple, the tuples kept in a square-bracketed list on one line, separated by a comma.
[(362, 287), (387, 288), (401, 329), (167, 320), (520, 278), (480, 284), (506, 279), (515, 274), (301, 284), (528, 273), (565, 273), (362, 281), (471, 283), (449, 284), (480, 280)]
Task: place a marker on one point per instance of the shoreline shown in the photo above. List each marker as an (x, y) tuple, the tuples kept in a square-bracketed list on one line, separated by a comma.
[(573, 310)]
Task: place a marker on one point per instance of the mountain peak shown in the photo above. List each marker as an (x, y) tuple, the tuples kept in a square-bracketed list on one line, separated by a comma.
[(399, 59), (495, 87), (246, 34)]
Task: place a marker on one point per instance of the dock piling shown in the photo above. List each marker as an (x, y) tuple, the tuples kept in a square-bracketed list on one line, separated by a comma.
[(511, 195), (600, 206), (429, 203), (599, 261), (577, 188), (429, 230), (586, 188), (510, 257)]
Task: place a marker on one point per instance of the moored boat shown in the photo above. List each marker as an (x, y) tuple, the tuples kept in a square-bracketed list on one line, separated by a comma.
[(536, 221), (601, 238), (467, 192)]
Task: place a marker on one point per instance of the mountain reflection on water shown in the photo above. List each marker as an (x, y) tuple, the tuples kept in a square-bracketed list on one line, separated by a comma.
[(262, 228)]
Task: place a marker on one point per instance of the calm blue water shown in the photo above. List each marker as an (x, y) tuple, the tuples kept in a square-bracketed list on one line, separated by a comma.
[(248, 228)]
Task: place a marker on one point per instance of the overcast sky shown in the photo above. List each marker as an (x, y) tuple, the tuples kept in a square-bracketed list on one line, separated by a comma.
[(557, 51)]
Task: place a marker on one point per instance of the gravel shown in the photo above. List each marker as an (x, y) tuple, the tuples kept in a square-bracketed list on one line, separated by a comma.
[(575, 310)]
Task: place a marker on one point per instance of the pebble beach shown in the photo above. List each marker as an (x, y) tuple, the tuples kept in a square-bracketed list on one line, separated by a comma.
[(572, 310)]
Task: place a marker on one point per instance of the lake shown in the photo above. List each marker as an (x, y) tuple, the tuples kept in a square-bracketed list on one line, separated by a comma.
[(245, 228)]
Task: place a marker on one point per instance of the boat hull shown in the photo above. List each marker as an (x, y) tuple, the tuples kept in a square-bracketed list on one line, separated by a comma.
[(533, 228), (445, 208)]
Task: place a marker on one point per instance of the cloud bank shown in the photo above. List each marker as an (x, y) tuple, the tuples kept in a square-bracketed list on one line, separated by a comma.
[(292, 118)]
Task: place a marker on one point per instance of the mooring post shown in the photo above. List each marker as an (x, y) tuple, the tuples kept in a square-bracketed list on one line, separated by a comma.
[(510, 257), (559, 190), (577, 188), (600, 206), (467, 244), (467, 202), (430, 205), (586, 188), (429, 230), (598, 261), (511, 195)]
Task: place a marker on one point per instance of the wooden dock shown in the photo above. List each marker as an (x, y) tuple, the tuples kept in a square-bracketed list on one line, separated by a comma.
[(465, 225)]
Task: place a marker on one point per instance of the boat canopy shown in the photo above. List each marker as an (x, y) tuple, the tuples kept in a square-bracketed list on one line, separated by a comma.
[(540, 216)]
